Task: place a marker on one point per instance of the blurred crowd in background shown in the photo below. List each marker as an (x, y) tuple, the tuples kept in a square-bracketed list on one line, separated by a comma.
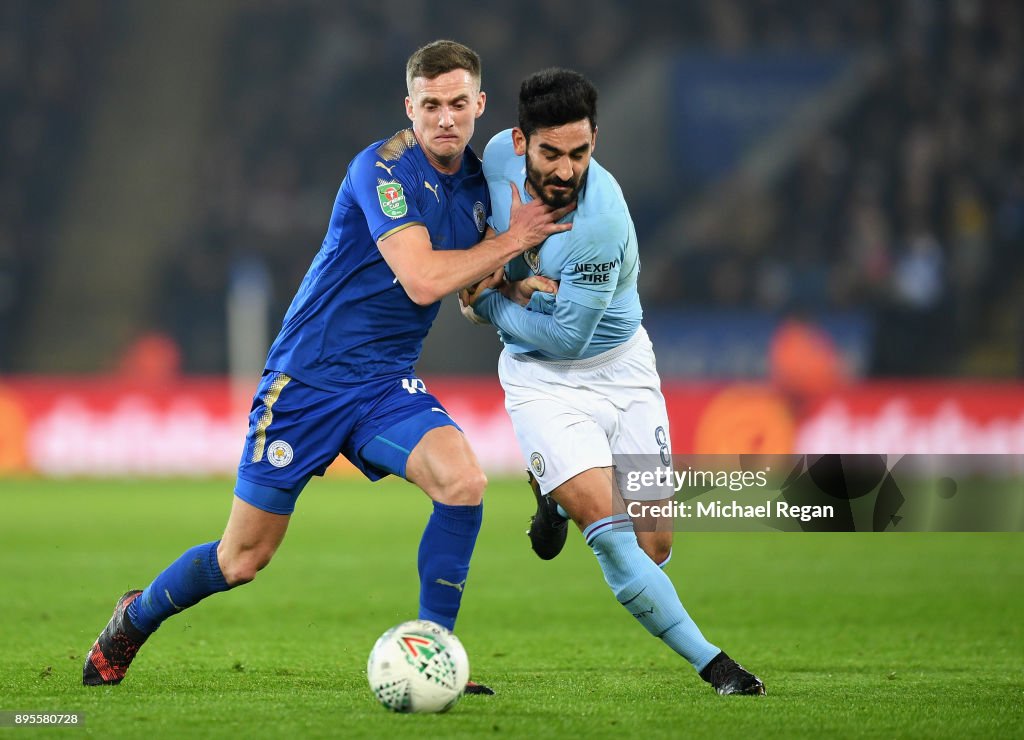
[(51, 57), (909, 208)]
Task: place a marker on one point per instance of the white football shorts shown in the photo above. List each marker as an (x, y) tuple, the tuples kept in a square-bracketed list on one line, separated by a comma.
[(573, 415)]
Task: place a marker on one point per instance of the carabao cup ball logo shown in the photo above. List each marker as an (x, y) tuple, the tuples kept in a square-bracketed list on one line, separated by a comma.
[(418, 666), (279, 453)]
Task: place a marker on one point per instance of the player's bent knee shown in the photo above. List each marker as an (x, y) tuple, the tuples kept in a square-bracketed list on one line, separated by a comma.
[(469, 489), (657, 549), (242, 566), (463, 489), (657, 552), (242, 571)]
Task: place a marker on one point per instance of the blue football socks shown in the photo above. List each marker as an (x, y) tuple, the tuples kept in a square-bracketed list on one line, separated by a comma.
[(185, 582), (644, 589), (445, 550)]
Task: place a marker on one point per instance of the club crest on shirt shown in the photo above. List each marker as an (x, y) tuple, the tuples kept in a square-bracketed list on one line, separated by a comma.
[(392, 199), (532, 259), (479, 216)]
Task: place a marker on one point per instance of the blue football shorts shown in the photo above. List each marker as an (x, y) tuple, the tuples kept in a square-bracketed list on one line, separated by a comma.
[(296, 431)]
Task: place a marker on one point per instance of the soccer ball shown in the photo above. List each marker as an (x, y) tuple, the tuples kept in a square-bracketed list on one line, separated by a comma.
[(418, 666)]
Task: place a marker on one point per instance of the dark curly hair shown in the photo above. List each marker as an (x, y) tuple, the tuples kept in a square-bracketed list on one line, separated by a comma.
[(554, 97)]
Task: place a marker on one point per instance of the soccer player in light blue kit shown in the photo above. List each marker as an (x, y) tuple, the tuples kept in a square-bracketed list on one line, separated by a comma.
[(405, 231), (578, 369)]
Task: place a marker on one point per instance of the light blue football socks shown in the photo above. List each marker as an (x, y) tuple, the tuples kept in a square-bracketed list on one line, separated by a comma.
[(642, 588)]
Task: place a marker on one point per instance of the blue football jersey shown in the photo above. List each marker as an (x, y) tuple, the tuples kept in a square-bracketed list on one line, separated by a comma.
[(350, 319)]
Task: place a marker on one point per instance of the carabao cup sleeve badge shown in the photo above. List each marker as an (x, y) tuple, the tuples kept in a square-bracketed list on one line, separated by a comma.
[(392, 199)]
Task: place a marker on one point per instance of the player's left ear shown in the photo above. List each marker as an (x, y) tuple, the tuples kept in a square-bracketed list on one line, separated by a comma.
[(518, 141), (481, 103), (593, 142), (409, 110)]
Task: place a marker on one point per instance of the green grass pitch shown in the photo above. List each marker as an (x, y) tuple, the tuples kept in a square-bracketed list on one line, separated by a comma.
[(855, 635)]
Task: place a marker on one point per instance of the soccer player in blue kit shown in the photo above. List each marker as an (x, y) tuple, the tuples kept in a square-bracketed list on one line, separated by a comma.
[(405, 231), (578, 368)]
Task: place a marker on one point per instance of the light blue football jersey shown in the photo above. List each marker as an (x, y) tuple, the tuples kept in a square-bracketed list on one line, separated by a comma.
[(596, 264)]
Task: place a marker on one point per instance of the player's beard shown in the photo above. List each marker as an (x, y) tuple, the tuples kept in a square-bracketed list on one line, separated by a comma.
[(555, 199)]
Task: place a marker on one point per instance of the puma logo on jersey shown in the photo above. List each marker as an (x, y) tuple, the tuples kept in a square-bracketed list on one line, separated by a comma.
[(433, 189), (457, 586), (385, 167)]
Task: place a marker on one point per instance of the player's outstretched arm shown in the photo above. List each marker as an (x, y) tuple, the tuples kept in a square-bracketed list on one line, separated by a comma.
[(428, 275)]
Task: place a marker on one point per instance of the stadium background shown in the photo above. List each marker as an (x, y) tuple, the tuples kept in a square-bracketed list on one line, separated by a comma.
[(829, 199)]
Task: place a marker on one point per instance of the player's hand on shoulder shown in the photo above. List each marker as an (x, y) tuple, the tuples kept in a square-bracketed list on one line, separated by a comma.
[(521, 291), (531, 223)]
